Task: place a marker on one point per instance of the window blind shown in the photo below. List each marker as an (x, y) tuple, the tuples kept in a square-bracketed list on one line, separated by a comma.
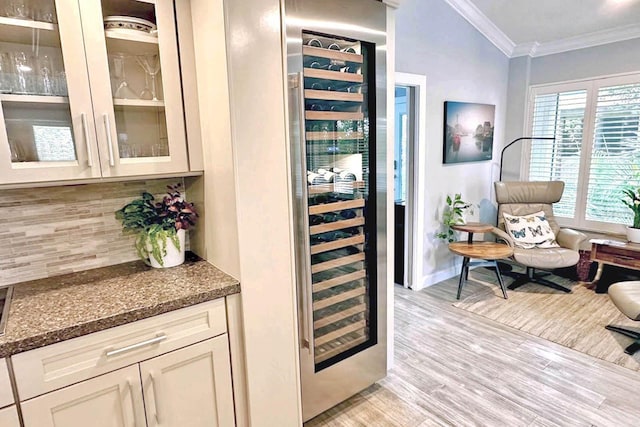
[(615, 153), (559, 115)]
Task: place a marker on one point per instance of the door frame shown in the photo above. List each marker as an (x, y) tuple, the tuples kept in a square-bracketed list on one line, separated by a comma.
[(416, 176)]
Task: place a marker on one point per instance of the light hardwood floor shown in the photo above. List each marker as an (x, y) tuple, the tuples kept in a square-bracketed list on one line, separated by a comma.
[(455, 368)]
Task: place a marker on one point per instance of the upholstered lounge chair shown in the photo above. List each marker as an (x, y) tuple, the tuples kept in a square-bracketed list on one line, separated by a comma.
[(626, 297), (525, 198)]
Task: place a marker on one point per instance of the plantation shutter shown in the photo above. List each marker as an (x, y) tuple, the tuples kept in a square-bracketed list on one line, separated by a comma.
[(615, 154), (559, 115)]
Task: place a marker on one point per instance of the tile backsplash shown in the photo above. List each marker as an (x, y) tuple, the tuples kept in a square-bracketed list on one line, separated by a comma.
[(50, 231)]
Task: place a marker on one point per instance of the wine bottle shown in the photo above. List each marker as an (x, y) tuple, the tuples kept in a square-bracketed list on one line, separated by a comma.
[(313, 43)]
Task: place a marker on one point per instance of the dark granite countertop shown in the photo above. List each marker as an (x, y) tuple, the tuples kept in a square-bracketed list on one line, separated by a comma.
[(59, 308)]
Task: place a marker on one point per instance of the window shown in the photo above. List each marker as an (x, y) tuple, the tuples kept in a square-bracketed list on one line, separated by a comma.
[(596, 150)]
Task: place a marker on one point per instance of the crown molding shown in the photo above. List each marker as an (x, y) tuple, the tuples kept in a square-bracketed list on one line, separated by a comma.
[(597, 38), (525, 49), (393, 3), (479, 20)]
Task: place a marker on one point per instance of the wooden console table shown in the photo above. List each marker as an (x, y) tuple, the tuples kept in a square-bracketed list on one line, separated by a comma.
[(613, 252)]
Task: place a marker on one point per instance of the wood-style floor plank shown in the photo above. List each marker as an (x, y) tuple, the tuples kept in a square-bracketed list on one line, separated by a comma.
[(456, 368)]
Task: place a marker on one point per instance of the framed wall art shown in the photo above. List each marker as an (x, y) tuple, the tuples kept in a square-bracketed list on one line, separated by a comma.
[(468, 132)]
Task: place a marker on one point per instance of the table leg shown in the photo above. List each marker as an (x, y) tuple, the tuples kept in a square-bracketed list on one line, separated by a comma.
[(504, 289), (594, 283), (464, 271), (470, 238)]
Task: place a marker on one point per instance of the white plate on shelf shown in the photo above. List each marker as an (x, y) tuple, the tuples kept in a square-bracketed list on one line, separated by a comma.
[(130, 23)]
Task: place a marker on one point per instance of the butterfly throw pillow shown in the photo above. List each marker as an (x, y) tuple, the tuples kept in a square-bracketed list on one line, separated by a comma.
[(530, 231)]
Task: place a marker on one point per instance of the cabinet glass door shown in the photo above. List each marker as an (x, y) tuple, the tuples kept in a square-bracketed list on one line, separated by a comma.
[(46, 127), (135, 72), (341, 195)]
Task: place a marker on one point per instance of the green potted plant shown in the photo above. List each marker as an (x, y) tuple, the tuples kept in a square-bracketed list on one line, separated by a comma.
[(453, 214), (632, 200), (160, 226)]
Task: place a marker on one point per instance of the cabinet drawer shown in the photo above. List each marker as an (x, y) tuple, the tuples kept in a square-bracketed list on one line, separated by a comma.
[(6, 394), (58, 365)]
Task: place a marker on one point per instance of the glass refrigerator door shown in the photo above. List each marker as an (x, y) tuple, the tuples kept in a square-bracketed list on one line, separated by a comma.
[(338, 98)]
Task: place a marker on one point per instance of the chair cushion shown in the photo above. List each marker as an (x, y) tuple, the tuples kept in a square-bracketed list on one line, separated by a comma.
[(626, 296), (546, 258), (530, 231)]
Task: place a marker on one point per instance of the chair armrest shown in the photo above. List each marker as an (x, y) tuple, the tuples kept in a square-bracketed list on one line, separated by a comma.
[(503, 236), (570, 239)]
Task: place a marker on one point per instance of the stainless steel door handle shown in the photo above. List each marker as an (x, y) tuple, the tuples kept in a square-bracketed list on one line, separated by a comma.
[(107, 129), (305, 286), (161, 337)]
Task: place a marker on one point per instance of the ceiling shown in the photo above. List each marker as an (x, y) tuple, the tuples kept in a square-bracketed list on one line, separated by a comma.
[(541, 27)]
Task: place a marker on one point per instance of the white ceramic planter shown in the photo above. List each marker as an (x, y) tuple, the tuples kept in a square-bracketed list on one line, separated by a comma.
[(174, 255), (633, 234)]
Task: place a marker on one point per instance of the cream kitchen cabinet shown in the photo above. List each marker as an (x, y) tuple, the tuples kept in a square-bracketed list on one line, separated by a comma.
[(8, 414), (187, 387), (113, 399), (9, 417), (80, 101), (180, 387), (6, 391), (169, 370)]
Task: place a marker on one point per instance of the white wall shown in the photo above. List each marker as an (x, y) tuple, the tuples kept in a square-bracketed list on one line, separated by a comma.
[(460, 65)]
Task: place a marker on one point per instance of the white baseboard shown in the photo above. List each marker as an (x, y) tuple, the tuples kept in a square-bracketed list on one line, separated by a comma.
[(436, 277)]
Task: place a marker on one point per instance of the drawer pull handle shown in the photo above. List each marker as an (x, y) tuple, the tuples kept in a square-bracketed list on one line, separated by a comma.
[(151, 341)]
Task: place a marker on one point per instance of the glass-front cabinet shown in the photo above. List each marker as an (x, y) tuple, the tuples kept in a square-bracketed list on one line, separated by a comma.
[(89, 89)]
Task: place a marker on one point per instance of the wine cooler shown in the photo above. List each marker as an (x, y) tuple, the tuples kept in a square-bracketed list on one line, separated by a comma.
[(337, 108)]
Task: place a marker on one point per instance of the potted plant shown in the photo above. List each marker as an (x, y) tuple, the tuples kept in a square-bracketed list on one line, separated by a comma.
[(453, 214), (633, 202), (160, 226)]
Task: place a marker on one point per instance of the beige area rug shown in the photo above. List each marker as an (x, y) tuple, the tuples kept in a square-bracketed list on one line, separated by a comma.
[(575, 320)]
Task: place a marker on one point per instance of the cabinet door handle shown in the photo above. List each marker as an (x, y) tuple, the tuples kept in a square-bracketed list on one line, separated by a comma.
[(159, 338), (133, 403), (85, 130), (107, 129), (154, 386)]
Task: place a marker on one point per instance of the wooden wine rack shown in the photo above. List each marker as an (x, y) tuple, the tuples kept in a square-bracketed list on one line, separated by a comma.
[(334, 187), (334, 136), (339, 275)]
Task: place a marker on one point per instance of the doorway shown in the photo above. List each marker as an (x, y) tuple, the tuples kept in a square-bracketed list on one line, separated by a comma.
[(408, 179), (403, 141)]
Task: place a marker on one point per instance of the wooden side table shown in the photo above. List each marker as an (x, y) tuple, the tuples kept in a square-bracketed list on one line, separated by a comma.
[(473, 227), (488, 252)]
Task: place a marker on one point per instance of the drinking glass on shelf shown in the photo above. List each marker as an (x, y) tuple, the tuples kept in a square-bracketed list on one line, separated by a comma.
[(6, 73), (45, 12), (123, 91), (151, 65), (61, 84), (18, 9), (17, 153), (24, 73), (46, 79)]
